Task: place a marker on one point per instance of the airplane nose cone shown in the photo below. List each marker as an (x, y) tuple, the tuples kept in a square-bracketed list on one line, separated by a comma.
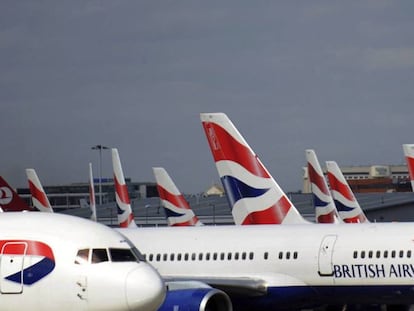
[(145, 290)]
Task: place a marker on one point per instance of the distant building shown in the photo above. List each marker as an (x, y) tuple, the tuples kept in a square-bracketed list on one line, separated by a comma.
[(374, 178), (69, 196)]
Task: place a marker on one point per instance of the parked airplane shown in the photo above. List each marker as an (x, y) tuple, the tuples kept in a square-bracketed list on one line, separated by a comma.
[(125, 214), (347, 205), (92, 204), (286, 267), (177, 209), (50, 261), (253, 194), (10, 200), (409, 157), (39, 197), (325, 210)]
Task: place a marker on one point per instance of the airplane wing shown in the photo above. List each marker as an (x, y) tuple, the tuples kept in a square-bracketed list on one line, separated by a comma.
[(232, 286)]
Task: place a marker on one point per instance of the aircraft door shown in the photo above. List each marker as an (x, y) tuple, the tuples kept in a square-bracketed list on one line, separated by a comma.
[(326, 250), (11, 267)]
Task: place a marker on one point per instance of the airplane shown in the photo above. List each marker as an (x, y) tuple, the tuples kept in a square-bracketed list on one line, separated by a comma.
[(92, 204), (325, 210), (39, 197), (177, 209), (125, 214), (253, 194), (51, 261), (10, 200), (346, 204), (409, 157), (284, 267)]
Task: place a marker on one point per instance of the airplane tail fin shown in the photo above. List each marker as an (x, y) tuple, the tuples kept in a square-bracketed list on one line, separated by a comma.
[(347, 205), (177, 209), (125, 214), (10, 200), (325, 210), (92, 203), (409, 157), (39, 197), (253, 194)]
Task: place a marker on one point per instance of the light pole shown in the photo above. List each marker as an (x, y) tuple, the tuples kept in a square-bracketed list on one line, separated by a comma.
[(100, 147)]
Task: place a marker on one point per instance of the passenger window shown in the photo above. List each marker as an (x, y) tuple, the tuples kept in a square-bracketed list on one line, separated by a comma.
[(179, 257), (208, 256), (266, 255), (287, 255), (82, 257), (251, 255), (186, 256), (236, 256), (378, 254), (99, 255), (200, 256), (408, 254), (158, 258), (229, 256), (193, 256), (280, 255), (370, 254), (393, 254), (244, 255), (214, 256), (121, 255), (165, 257), (385, 254), (355, 254), (295, 255), (172, 257), (363, 254), (151, 257), (222, 256), (401, 254)]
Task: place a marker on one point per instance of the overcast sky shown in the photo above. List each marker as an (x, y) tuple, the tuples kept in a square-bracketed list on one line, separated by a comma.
[(335, 76)]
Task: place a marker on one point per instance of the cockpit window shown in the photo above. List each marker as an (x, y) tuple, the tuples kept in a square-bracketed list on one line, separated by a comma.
[(122, 254), (82, 256), (99, 255)]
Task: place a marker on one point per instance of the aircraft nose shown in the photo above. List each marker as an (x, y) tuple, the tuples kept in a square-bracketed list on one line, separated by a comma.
[(145, 290)]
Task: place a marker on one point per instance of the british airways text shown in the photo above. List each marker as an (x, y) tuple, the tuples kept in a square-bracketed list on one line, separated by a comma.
[(374, 271)]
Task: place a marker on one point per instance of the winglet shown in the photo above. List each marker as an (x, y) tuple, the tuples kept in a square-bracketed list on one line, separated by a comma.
[(325, 210), (92, 203), (253, 194), (10, 200), (345, 201), (125, 215), (409, 157), (177, 209), (39, 197)]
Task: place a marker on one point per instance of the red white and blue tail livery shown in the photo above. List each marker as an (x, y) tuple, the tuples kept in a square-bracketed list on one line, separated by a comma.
[(39, 197), (325, 210), (10, 200), (125, 214), (177, 209), (409, 157), (253, 194), (345, 201), (92, 203)]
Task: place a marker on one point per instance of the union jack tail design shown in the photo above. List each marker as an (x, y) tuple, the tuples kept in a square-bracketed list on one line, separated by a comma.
[(409, 157), (345, 201), (92, 203), (325, 210), (177, 209), (253, 194), (10, 200), (39, 197), (125, 215)]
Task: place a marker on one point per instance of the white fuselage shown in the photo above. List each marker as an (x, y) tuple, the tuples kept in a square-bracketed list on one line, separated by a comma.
[(40, 266), (305, 261)]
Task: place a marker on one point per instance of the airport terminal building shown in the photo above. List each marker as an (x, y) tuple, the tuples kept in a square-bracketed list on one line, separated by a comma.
[(384, 193)]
